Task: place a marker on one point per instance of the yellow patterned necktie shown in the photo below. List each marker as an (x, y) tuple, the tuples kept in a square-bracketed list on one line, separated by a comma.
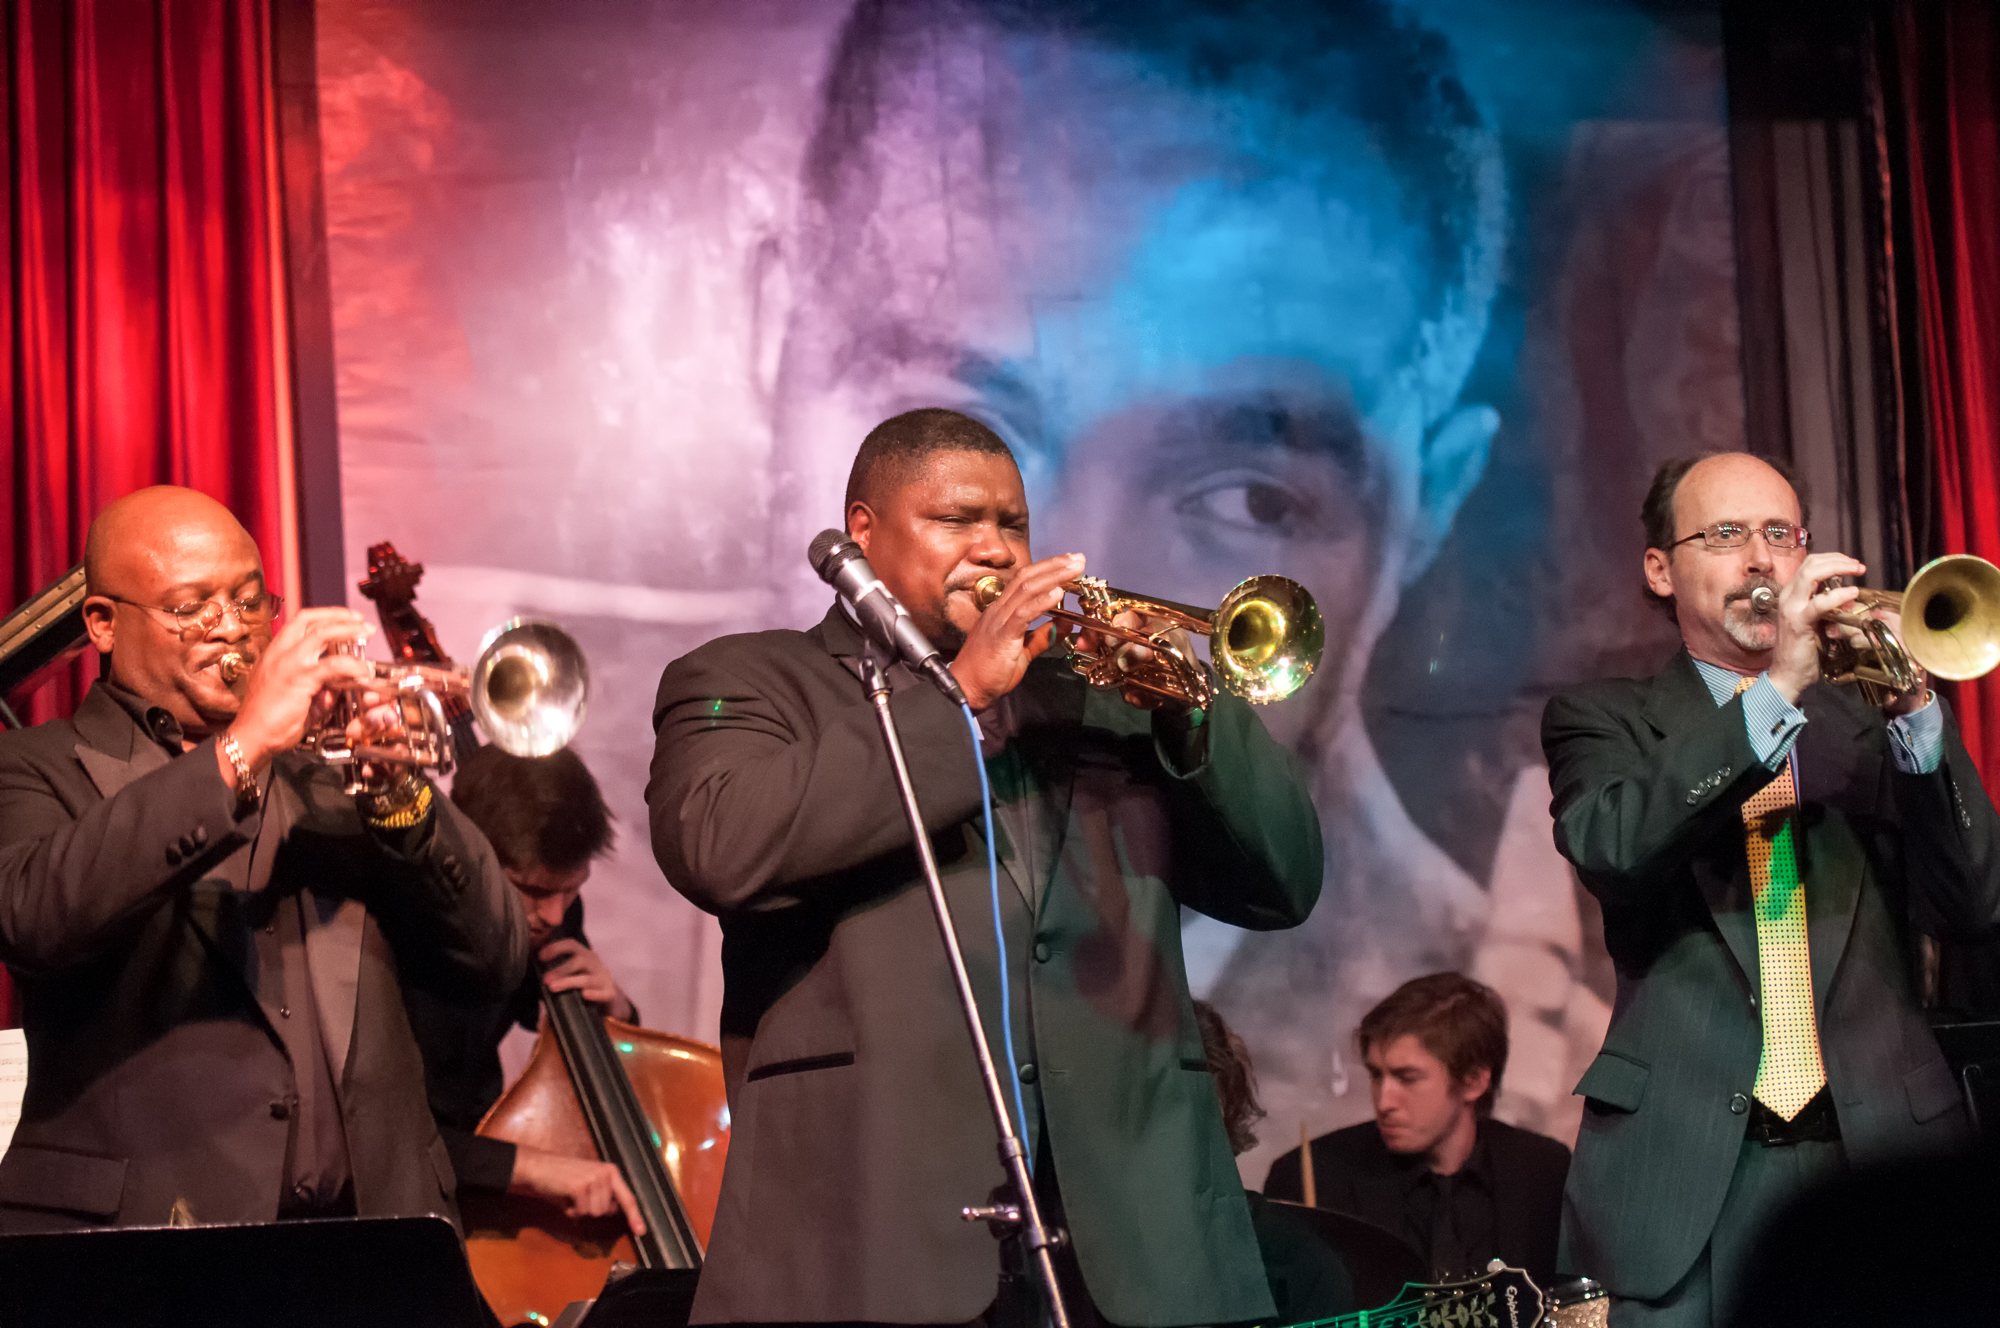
[(1789, 1071)]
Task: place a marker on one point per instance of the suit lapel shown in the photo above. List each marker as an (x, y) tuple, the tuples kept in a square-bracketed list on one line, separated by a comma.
[(111, 774), (114, 751), (334, 932), (1679, 700), (1056, 699), (1051, 697), (333, 924), (1838, 760)]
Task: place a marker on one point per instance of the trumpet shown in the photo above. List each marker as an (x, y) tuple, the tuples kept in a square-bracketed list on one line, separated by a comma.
[(1950, 614), (528, 689), (1266, 638)]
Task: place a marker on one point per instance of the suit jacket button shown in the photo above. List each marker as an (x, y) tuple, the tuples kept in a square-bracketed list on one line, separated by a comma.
[(1028, 1073), (173, 855), (281, 1110), (1694, 796), (201, 834), (1042, 952), (1738, 1104)]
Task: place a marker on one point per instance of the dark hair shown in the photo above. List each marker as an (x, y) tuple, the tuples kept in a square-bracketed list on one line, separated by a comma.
[(1656, 514), (899, 445), (1235, 1077), (1362, 59), (536, 811), (1459, 1021)]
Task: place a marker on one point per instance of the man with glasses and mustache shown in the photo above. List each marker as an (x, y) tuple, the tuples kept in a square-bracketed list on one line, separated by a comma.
[(1764, 844), (210, 938)]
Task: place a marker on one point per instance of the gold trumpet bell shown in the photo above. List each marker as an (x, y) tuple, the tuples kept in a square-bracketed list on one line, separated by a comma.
[(1264, 641), (1268, 639), (1951, 616)]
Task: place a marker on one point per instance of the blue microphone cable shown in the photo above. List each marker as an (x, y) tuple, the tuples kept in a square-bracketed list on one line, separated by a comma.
[(999, 934)]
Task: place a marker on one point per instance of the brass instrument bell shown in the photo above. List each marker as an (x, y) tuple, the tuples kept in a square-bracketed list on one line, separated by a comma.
[(1950, 617), (528, 689), (1265, 639)]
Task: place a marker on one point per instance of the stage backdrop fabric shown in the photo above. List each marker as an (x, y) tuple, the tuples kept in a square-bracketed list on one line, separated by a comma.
[(138, 331), (1949, 77), (1405, 301)]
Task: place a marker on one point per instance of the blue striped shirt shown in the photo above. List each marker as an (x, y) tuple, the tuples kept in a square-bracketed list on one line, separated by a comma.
[(1774, 724)]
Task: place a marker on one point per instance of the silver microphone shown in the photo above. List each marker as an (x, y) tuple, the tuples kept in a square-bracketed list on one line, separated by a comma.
[(841, 564)]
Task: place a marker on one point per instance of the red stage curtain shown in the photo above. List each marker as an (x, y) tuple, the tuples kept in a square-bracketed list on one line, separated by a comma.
[(1948, 101), (139, 322)]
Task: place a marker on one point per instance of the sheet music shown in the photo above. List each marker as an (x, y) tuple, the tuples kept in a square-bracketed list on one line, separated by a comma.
[(13, 1082)]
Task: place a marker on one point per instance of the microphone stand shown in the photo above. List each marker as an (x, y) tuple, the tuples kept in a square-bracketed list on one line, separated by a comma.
[(1024, 1216)]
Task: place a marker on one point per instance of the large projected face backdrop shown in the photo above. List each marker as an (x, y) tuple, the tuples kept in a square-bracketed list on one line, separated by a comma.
[(1403, 301)]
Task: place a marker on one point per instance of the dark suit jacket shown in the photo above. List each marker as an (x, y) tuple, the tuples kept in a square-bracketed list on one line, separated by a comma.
[(859, 1126), (154, 1071), (1354, 1172), (1649, 778)]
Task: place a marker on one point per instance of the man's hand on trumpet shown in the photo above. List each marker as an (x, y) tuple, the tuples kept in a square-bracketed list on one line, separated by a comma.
[(1130, 655), (1899, 703), (1806, 615), (1000, 646), (380, 728), (1801, 617), (289, 687)]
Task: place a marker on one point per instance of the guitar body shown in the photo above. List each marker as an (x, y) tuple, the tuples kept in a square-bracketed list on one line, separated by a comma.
[(527, 1257)]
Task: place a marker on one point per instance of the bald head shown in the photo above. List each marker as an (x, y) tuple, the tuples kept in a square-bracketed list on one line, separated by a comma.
[(156, 530), (155, 551)]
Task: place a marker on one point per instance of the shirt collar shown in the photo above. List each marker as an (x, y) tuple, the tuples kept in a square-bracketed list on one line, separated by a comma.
[(157, 722), (1414, 1170), (1722, 683)]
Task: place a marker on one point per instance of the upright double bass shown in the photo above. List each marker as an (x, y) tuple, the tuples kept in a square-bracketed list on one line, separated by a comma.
[(650, 1102)]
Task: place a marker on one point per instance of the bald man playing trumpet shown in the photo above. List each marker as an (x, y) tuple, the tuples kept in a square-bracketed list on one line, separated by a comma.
[(209, 936)]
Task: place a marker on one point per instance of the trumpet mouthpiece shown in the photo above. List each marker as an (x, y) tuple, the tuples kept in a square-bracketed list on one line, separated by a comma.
[(1763, 599), (985, 590), (232, 667)]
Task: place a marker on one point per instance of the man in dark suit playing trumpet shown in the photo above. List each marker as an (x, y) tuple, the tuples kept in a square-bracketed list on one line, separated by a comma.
[(1764, 845), (860, 1128), (210, 938)]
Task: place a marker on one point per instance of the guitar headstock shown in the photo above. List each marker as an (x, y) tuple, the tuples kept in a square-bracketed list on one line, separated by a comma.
[(1501, 1297)]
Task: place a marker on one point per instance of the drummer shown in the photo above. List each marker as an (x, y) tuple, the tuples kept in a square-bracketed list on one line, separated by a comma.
[(547, 822)]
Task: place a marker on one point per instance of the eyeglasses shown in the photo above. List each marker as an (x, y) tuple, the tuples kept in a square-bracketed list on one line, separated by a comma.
[(205, 616), (1734, 535)]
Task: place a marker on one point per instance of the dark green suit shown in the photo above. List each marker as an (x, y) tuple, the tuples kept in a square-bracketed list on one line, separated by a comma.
[(859, 1126), (1649, 779)]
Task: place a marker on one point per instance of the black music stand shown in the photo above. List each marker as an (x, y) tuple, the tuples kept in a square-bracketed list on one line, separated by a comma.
[(636, 1298), (1972, 1049), (332, 1273)]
